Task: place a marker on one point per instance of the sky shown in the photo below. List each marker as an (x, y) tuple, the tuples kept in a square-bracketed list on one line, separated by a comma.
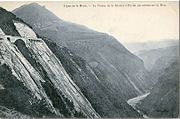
[(127, 23)]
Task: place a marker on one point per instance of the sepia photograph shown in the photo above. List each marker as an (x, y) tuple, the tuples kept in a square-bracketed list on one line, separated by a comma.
[(89, 59)]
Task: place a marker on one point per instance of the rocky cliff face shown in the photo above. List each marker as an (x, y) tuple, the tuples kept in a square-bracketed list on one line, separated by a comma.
[(106, 103), (118, 69), (37, 71), (39, 80)]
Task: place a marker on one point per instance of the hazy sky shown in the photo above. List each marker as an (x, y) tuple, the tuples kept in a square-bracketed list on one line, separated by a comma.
[(127, 24)]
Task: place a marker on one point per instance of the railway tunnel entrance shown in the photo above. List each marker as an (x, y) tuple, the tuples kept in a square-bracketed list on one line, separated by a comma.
[(20, 44)]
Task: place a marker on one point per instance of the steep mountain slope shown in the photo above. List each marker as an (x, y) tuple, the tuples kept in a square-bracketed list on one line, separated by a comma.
[(157, 60), (8, 113), (34, 71), (150, 57), (106, 103), (163, 100), (52, 88), (118, 69), (14, 95)]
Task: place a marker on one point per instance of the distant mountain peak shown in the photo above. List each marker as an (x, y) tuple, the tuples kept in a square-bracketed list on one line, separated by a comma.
[(34, 4), (37, 11)]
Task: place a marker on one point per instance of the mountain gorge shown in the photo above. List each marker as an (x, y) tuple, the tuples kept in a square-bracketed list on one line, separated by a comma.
[(163, 100), (163, 66), (157, 60), (39, 80), (51, 68), (151, 57), (117, 68), (102, 99)]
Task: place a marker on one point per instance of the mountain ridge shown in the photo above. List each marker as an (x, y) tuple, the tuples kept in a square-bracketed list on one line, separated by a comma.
[(37, 67), (159, 103), (103, 52), (20, 55)]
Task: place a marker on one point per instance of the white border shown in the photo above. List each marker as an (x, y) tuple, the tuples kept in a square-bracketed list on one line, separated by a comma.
[(96, 0)]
